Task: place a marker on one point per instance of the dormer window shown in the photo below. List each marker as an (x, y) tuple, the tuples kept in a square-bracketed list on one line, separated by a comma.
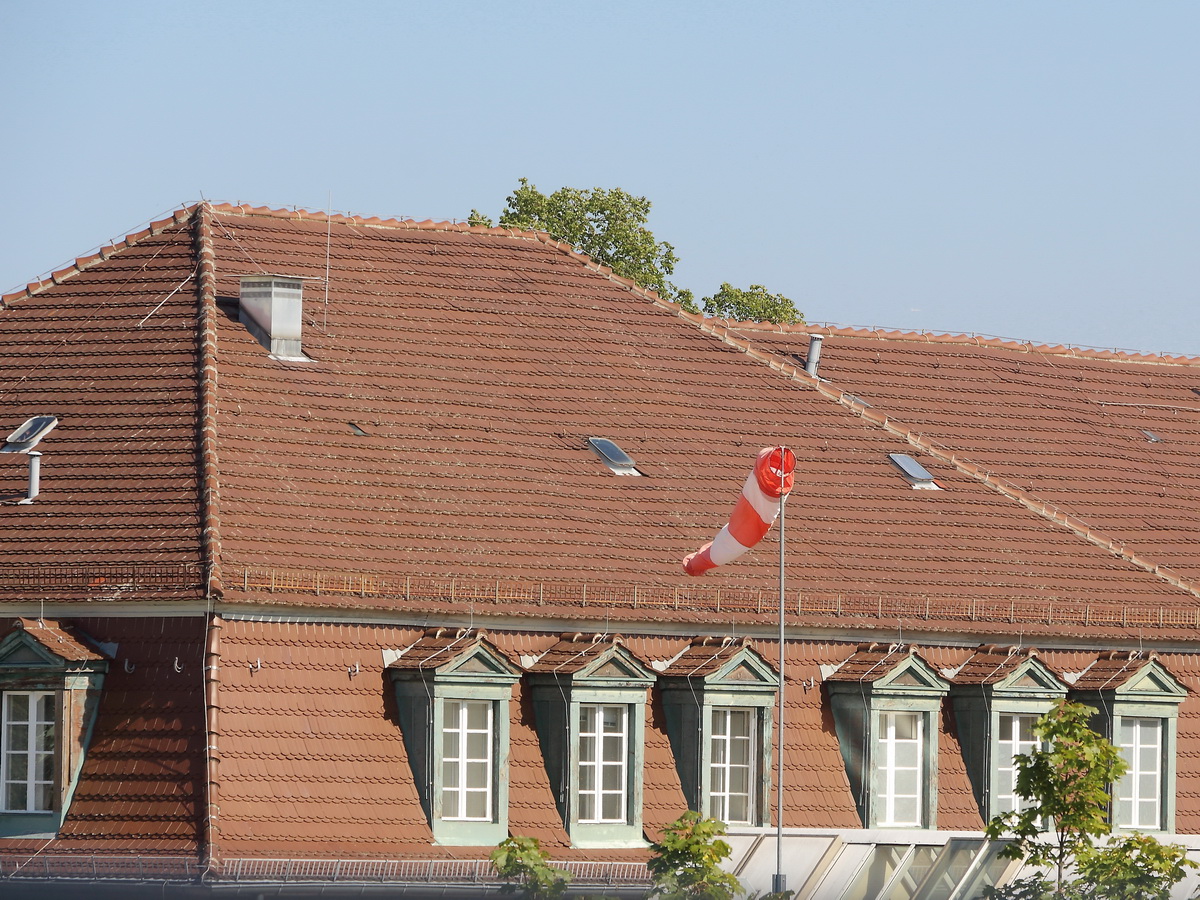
[(50, 681), (886, 700), (453, 689), (1137, 707), (590, 696), (999, 693), (722, 691)]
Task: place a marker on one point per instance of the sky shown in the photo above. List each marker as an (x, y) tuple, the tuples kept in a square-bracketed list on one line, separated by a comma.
[(1028, 169)]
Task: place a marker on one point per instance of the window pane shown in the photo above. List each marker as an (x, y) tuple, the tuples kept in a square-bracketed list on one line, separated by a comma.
[(477, 745), (450, 804), (613, 723), (451, 773), (587, 807), (613, 747), (905, 726), (906, 811), (44, 799), (739, 809), (613, 778), (478, 718), (587, 749), (18, 707), (587, 719), (450, 743), (612, 807), (477, 775), (477, 805)]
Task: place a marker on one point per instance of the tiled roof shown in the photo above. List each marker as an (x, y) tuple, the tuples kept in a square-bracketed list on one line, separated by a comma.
[(704, 656), (992, 663), (873, 661), (142, 781), (110, 348), (476, 362), (574, 652), (59, 639), (439, 646), (1111, 669), (1103, 442)]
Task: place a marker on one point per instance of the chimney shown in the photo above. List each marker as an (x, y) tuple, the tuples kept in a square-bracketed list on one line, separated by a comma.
[(814, 354), (35, 477), (271, 307)]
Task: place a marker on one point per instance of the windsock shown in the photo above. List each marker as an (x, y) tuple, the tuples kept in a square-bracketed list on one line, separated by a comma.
[(755, 511)]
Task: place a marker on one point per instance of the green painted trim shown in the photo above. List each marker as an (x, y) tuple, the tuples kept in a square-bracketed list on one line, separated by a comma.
[(30, 825)]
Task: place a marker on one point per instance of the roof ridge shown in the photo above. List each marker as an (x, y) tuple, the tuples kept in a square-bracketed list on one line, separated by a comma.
[(206, 377), (430, 225), (998, 483), (975, 340), (180, 216)]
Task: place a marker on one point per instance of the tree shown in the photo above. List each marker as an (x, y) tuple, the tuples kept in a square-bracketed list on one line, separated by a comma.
[(1066, 782), (609, 225), (522, 860), (754, 304), (685, 864)]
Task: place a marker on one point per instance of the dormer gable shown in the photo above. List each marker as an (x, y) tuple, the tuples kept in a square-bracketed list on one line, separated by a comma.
[(601, 661), (48, 645), (888, 671), (443, 656)]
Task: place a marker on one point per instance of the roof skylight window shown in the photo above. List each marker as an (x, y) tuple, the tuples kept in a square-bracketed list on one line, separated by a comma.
[(1150, 436), (914, 473), (27, 436), (613, 456), (354, 426)]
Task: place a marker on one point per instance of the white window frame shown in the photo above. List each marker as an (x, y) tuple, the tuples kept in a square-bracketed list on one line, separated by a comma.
[(33, 755), (1009, 745), (721, 770), (1128, 795), (598, 764), (888, 769), (459, 726)]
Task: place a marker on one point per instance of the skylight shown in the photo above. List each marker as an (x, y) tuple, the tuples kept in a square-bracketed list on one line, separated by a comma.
[(614, 457), (354, 426), (1150, 436), (914, 473), (27, 436)]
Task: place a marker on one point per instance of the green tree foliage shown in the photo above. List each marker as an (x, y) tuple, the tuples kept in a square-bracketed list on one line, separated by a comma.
[(1065, 783), (685, 864), (609, 225), (528, 868), (754, 304)]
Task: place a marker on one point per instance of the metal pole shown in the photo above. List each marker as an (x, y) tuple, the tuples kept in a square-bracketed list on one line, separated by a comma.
[(779, 882)]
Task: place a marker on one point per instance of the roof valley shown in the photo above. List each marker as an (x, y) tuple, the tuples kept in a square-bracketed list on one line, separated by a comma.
[(1001, 485)]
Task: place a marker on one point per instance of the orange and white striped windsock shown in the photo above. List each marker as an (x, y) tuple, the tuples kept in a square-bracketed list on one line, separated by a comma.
[(755, 511)]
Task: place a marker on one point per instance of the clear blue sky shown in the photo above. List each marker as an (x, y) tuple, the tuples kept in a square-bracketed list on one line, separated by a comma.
[(1025, 168)]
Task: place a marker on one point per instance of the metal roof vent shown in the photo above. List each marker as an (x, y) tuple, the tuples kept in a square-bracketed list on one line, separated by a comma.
[(271, 307), (914, 473), (814, 354), (23, 440)]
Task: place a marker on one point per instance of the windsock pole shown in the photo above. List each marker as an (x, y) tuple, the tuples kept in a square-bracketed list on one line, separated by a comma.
[(779, 884)]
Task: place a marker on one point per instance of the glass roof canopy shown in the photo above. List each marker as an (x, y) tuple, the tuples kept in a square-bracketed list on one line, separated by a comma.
[(877, 865)]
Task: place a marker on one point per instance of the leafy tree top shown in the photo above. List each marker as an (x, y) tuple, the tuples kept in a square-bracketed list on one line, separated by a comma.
[(753, 304), (608, 224), (686, 861), (1066, 782)]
